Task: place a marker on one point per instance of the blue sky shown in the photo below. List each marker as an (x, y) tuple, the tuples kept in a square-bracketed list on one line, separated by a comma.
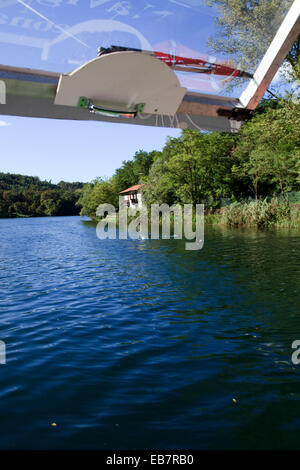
[(31, 35), (81, 151), (72, 151)]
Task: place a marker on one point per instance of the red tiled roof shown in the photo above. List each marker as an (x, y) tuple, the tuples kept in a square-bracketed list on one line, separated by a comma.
[(132, 188)]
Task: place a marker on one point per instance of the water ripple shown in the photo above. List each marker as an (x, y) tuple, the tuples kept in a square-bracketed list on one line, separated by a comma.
[(128, 344)]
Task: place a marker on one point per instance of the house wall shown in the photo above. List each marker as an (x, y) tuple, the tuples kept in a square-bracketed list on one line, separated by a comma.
[(139, 198), (126, 198)]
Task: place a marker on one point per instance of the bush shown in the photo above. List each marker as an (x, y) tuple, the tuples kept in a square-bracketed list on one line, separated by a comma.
[(261, 213)]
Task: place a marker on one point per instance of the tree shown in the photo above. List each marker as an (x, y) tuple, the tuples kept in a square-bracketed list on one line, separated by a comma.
[(160, 187), (125, 176), (133, 171), (268, 148), (50, 202), (98, 192), (251, 165), (293, 58), (193, 168), (27, 196), (245, 29)]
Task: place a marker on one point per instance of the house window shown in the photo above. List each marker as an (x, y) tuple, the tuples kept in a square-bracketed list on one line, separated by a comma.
[(133, 198)]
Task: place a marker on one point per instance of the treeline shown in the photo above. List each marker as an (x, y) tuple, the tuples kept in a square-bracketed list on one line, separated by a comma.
[(27, 196), (261, 161), (102, 191)]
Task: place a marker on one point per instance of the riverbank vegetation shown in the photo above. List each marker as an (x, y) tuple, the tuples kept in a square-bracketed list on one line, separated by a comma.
[(244, 179), (251, 178), (27, 196), (264, 213)]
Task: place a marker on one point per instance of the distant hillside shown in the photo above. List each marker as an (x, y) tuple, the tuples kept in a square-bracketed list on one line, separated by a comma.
[(28, 196)]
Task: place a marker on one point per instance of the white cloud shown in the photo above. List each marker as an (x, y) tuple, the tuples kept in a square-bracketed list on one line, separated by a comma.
[(163, 13), (4, 123)]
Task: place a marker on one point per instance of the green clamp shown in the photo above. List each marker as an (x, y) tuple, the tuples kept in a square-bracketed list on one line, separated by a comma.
[(141, 107), (83, 102)]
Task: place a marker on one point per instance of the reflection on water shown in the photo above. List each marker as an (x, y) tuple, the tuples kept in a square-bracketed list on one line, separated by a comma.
[(141, 344)]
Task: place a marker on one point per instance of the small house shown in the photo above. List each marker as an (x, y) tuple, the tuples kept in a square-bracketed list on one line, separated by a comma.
[(133, 196)]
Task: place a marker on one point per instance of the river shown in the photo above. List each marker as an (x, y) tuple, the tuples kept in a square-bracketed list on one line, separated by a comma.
[(143, 345)]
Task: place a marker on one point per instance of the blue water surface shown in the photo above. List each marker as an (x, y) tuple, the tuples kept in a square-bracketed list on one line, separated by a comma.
[(143, 345)]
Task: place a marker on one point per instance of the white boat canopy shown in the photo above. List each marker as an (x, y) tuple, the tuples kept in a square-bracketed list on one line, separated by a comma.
[(148, 79)]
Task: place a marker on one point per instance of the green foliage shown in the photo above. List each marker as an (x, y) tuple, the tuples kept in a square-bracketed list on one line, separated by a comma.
[(294, 197), (262, 160), (268, 149), (245, 29), (21, 182), (27, 196), (100, 191), (261, 214), (106, 191), (133, 171), (293, 58), (193, 168), (217, 169)]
